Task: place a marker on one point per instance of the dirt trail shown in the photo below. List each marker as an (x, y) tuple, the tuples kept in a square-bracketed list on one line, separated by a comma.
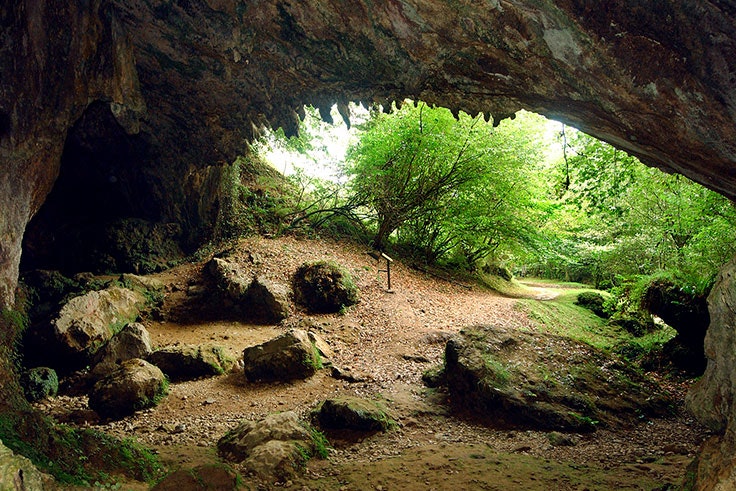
[(390, 339)]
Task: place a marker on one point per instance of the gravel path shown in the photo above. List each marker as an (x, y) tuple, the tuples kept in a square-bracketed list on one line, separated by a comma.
[(389, 339)]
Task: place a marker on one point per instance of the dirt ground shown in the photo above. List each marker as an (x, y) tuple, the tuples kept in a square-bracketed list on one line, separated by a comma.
[(388, 339)]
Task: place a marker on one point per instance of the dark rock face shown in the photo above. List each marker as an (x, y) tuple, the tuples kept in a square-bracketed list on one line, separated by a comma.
[(55, 59), (687, 313)]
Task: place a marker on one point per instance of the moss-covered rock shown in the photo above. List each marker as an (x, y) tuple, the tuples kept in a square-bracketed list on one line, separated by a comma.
[(277, 446), (39, 383), (89, 321), (325, 286), (190, 362), (134, 385), (352, 413), (289, 356), (636, 323), (593, 301), (203, 477), (17, 472), (547, 382)]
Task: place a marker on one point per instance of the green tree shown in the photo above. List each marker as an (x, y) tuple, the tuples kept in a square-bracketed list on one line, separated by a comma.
[(406, 164), (630, 219), (445, 184)]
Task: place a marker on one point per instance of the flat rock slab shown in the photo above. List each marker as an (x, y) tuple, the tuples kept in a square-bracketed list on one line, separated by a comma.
[(189, 362), (201, 478), (353, 413), (540, 381)]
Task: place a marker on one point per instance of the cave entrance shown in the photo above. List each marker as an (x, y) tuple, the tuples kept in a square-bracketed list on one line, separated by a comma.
[(100, 196)]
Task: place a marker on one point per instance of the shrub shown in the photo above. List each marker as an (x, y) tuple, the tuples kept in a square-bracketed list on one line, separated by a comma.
[(594, 302), (39, 383)]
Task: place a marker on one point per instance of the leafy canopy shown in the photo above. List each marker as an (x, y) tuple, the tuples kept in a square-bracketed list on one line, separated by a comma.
[(441, 183)]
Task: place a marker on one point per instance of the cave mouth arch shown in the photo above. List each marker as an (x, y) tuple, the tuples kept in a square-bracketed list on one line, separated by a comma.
[(101, 191)]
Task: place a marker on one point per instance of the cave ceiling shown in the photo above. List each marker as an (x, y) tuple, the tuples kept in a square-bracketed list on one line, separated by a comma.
[(655, 78)]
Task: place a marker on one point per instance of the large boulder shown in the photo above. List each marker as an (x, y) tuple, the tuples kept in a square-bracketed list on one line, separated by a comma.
[(353, 413), (258, 299), (276, 446), (229, 277), (289, 356), (17, 473), (712, 397), (134, 385), (267, 301), (133, 341), (540, 381), (324, 286), (190, 362), (87, 322)]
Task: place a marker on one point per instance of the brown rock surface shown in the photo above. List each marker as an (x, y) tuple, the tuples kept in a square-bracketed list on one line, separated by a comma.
[(134, 385)]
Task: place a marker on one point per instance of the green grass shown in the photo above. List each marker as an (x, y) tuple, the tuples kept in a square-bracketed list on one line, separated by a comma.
[(512, 288), (561, 316), (554, 283)]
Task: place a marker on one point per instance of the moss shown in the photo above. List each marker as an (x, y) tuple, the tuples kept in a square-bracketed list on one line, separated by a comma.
[(314, 360), (74, 456), (434, 377), (496, 372), (39, 383), (594, 302)]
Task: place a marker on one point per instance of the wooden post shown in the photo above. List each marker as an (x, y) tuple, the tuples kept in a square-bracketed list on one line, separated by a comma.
[(377, 256), (388, 270)]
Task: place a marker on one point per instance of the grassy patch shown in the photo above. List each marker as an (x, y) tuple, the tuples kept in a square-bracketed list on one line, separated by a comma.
[(507, 288), (315, 359), (561, 316)]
